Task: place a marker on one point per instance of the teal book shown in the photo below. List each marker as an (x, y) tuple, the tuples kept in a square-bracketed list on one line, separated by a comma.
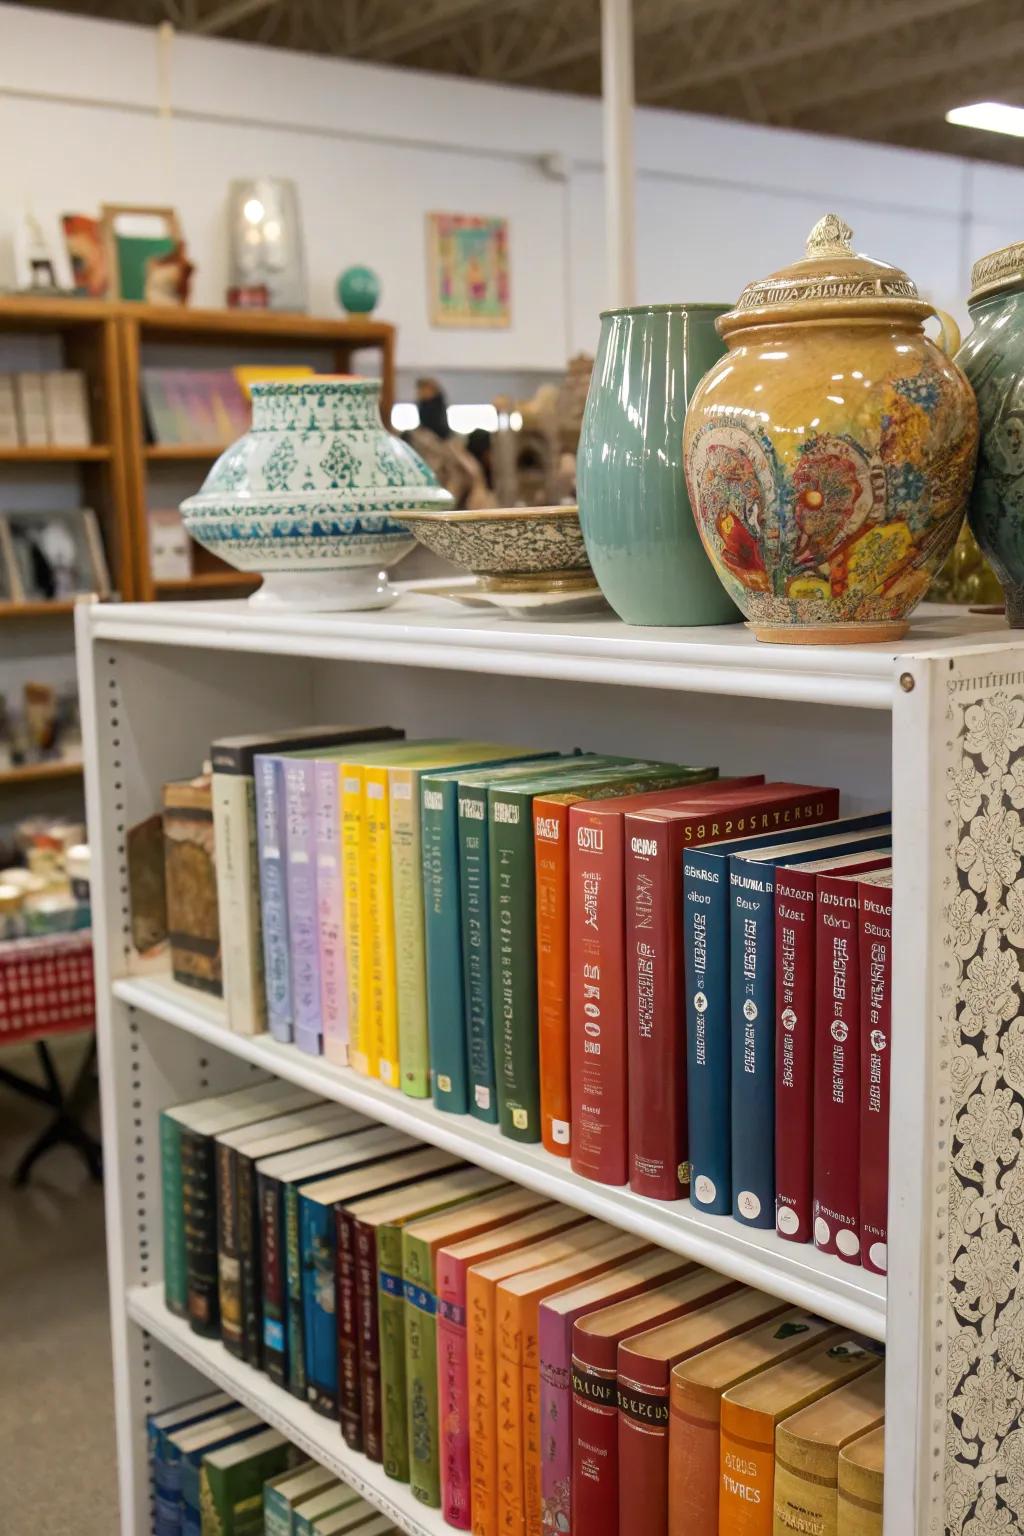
[(282, 1493), (186, 1449), (231, 1483)]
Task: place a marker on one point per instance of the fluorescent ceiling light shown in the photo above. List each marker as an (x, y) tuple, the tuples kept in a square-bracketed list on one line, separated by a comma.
[(993, 116)]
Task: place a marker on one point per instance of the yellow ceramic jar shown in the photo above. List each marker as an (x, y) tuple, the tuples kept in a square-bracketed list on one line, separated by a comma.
[(829, 455)]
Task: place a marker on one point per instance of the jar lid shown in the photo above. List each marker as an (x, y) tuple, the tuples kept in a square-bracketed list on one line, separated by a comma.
[(831, 279), (999, 269)]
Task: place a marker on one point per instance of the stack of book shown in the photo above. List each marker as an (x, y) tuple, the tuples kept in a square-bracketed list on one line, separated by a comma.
[(48, 409)]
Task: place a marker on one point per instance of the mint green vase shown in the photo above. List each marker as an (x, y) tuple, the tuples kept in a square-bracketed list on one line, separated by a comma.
[(634, 509)]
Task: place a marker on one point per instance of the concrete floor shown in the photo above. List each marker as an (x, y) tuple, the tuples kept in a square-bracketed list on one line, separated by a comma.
[(57, 1468)]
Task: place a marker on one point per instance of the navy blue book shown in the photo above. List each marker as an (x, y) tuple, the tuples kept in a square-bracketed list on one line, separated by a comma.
[(706, 925), (752, 1011)]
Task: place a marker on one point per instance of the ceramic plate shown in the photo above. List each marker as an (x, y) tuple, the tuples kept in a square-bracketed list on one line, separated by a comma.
[(548, 605)]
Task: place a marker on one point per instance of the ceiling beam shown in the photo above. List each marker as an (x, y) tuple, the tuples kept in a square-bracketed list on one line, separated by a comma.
[(424, 24), (650, 20), (229, 15)]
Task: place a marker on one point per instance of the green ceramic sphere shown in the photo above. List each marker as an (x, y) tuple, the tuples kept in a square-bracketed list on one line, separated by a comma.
[(358, 290)]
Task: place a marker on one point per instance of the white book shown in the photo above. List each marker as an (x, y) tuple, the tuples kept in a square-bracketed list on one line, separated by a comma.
[(238, 901), (9, 437), (33, 429), (67, 408)]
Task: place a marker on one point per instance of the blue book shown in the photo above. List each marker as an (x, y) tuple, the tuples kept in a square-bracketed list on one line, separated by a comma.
[(165, 1473), (320, 1338), (273, 895), (706, 925), (186, 1449), (752, 1012)]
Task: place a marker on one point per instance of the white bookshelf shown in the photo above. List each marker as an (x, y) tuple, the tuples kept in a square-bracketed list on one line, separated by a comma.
[(933, 721)]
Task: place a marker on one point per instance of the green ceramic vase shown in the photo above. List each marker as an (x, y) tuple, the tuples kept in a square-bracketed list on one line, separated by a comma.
[(634, 508)]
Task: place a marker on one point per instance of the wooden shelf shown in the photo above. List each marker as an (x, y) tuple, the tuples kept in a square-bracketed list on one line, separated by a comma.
[(36, 312), (172, 451), (34, 773), (41, 610), (91, 453), (206, 581), (258, 324)]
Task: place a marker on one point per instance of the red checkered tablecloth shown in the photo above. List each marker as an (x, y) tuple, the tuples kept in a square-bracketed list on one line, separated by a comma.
[(46, 986)]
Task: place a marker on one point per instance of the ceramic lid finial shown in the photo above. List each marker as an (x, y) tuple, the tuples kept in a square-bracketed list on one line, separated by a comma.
[(831, 236)]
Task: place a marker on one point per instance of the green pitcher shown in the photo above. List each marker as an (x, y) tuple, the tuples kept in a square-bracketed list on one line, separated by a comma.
[(634, 509)]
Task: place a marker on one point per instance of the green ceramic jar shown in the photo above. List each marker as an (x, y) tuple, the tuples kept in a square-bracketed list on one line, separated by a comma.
[(634, 508), (993, 359)]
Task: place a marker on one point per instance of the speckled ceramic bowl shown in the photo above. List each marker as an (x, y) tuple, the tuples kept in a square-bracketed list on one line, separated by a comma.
[(508, 547)]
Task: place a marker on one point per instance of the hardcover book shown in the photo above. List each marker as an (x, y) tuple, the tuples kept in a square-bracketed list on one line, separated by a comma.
[(481, 1293), (596, 1337), (191, 875), (270, 835), (517, 1306), (862, 1485), (282, 1493), (164, 1469), (807, 1448), (795, 945), (329, 1502), (188, 1447), (445, 999), (547, 1476), (358, 1516), (750, 1414), (644, 1366), (231, 1483), (695, 1410), (874, 916), (453, 1389)]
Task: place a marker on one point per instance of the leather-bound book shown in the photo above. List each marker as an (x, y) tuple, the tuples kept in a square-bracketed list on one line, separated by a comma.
[(862, 1485), (807, 1448)]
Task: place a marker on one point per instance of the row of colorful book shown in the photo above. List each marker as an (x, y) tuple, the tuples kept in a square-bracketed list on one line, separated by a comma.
[(525, 1368), (217, 1470)]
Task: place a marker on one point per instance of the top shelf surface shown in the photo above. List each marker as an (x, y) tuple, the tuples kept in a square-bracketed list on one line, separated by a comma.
[(425, 631)]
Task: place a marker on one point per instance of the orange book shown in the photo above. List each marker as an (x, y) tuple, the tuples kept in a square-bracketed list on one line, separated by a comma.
[(517, 1363), (751, 1413), (695, 1409), (482, 1281)]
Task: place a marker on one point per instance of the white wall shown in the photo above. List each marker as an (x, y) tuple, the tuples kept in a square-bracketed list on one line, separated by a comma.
[(374, 149)]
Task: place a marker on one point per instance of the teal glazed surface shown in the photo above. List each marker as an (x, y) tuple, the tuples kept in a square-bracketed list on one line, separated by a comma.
[(634, 509), (993, 359)]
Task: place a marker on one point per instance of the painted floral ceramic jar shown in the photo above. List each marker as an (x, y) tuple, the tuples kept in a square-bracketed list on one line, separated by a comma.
[(312, 496), (993, 359), (829, 454)]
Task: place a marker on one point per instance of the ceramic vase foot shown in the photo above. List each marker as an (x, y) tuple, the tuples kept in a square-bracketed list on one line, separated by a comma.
[(325, 591), (830, 634)]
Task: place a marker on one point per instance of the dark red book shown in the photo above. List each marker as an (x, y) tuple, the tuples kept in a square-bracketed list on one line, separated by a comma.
[(348, 1324), (836, 1160), (874, 897), (795, 947), (369, 1339), (597, 975)]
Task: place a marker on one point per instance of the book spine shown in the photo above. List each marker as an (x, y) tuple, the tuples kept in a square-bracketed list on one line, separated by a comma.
[(354, 876), (382, 1023), (708, 1048), (795, 924), (597, 1001), (303, 921), (692, 1473), (229, 1264), (420, 1307), (277, 1513), (514, 963), (654, 1007), (483, 1450), (474, 890), (595, 1449), (532, 1436), (551, 1511), (551, 864), (238, 901), (272, 1261), (273, 899), (875, 938), (752, 1009), (318, 1306), (369, 1340), (349, 1404), (747, 1475), (453, 1393), (836, 1175), (446, 1017), (803, 1501), (295, 1319), (391, 1322), (330, 897), (509, 1415), (410, 956), (175, 1265), (249, 1261), (643, 1454), (199, 1197)]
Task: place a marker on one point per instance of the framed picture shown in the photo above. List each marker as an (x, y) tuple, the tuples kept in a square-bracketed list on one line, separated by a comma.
[(56, 555), (467, 260), (87, 253), (145, 254)]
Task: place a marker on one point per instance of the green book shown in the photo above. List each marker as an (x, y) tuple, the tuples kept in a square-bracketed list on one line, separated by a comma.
[(360, 1517), (282, 1493), (513, 925), (308, 1511), (231, 1483)]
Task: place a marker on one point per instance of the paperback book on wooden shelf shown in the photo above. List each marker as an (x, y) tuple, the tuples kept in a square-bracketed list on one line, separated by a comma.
[(807, 1450), (67, 408), (191, 877)]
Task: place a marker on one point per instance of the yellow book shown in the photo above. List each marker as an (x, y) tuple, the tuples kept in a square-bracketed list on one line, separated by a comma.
[(381, 1037), (862, 1485), (807, 1448), (249, 374)]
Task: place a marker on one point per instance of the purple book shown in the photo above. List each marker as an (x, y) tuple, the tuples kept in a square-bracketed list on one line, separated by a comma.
[(301, 878), (330, 912)]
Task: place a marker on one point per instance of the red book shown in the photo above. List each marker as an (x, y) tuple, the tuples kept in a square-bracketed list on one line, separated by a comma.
[(655, 992), (874, 897), (795, 945), (597, 973), (836, 1161), (594, 1499)]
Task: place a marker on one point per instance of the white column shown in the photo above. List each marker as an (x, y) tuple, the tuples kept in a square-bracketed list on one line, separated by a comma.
[(619, 167)]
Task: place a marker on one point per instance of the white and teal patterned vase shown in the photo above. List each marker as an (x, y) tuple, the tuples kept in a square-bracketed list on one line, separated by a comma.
[(312, 497)]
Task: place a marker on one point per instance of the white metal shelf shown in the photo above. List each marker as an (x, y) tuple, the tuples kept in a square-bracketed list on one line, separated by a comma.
[(425, 631), (317, 1436), (795, 1272)]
